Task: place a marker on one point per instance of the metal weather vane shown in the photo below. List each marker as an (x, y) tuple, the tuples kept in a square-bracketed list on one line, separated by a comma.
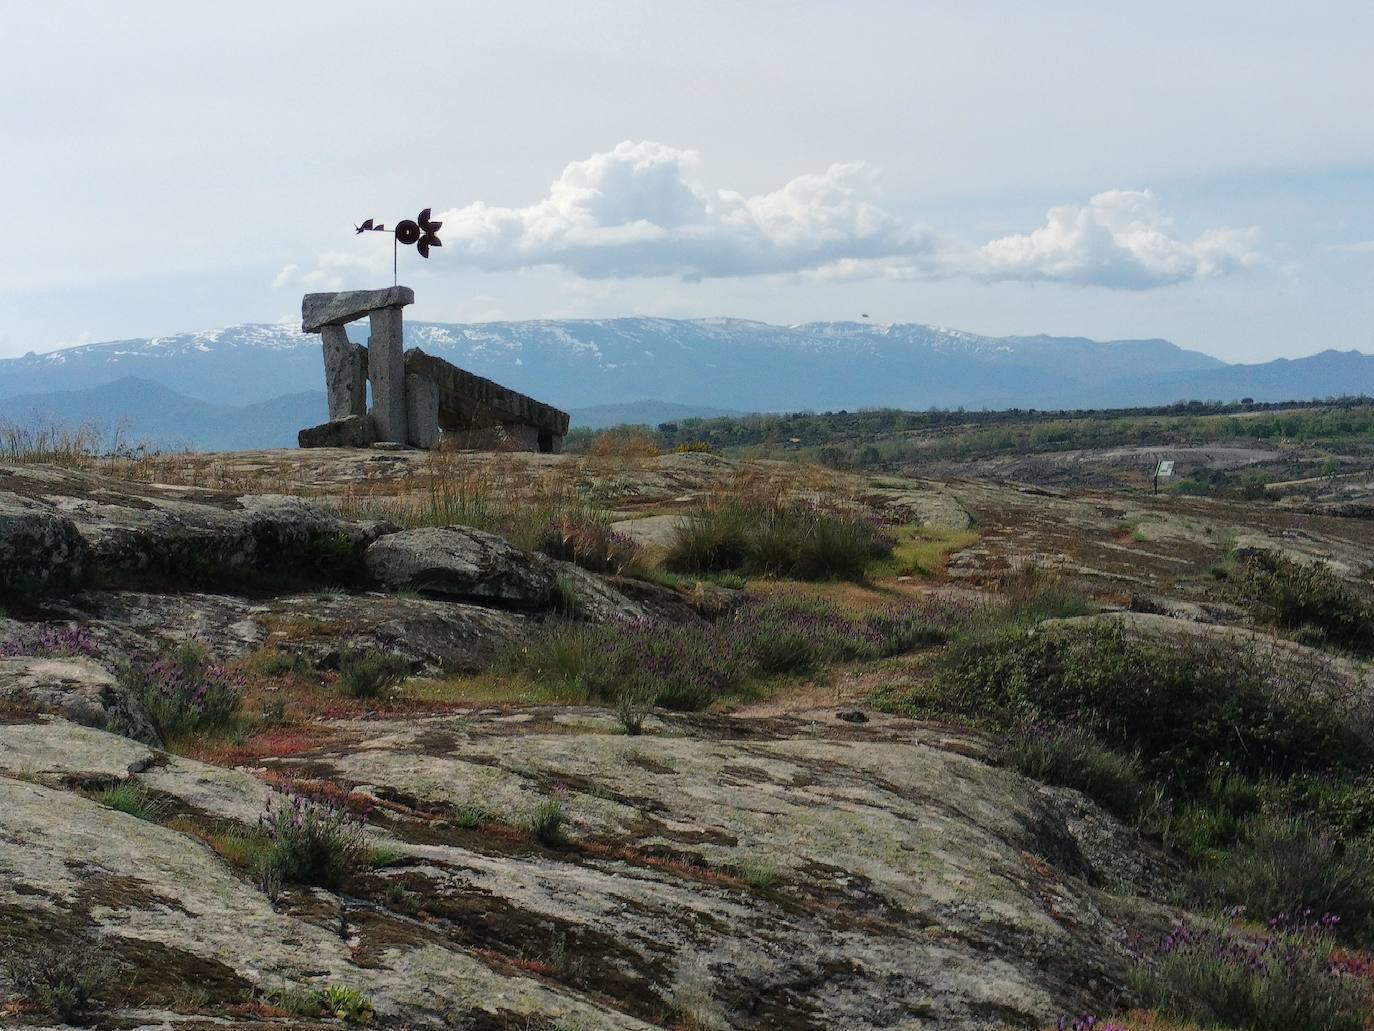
[(422, 232)]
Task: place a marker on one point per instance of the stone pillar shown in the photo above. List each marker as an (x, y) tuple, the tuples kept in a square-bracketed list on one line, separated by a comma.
[(345, 374), (387, 372), (422, 411)]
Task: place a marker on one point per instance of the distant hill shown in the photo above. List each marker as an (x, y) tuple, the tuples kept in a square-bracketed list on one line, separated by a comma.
[(143, 411), (645, 413), (596, 367)]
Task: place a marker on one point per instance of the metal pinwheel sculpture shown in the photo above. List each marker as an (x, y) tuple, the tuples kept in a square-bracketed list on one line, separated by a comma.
[(422, 232)]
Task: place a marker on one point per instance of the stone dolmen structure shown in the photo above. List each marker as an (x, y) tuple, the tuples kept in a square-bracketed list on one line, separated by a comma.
[(417, 399)]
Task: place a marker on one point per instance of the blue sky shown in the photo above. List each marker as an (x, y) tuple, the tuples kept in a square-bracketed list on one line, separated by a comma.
[(1202, 172)]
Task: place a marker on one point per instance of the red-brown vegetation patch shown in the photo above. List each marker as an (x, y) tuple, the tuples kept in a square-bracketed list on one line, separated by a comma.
[(272, 742)]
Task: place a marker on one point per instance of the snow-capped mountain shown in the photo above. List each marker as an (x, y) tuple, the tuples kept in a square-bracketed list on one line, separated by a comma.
[(580, 364), (729, 363)]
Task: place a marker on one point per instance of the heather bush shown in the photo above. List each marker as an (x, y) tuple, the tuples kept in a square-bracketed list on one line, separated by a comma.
[(1307, 597), (184, 693), (1074, 758), (48, 640), (1280, 862), (1285, 980), (688, 666), (307, 841)]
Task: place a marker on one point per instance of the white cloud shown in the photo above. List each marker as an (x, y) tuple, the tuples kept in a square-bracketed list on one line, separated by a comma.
[(1358, 247), (335, 270), (1118, 239), (643, 209)]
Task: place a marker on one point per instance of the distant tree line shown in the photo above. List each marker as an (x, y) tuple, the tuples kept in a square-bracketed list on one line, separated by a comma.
[(874, 437)]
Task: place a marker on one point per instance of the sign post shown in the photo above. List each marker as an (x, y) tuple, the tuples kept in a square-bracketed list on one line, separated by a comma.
[(1164, 468)]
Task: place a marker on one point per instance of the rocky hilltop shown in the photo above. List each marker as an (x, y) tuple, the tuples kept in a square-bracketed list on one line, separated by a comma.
[(285, 741)]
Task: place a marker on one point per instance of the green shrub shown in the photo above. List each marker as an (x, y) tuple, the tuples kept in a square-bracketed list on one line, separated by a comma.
[(710, 540), (765, 539), (1206, 823), (1183, 710), (308, 842), (1285, 981), (545, 822), (1307, 597), (273, 662), (370, 675), (1073, 758), (63, 976), (183, 693), (471, 817), (1282, 864), (332, 554)]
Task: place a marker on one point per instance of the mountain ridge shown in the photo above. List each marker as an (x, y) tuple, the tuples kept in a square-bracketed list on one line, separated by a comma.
[(723, 364)]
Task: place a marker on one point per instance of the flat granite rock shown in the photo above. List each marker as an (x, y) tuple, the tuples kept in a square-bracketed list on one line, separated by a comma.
[(903, 877), (336, 309)]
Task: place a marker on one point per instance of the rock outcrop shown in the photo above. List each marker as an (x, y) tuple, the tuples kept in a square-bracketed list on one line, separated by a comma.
[(66, 529), (834, 877), (79, 689)]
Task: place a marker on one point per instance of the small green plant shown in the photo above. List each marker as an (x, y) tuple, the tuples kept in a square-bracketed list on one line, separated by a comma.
[(133, 798), (308, 842), (347, 1004), (384, 856), (399, 898), (545, 822), (630, 712), (331, 553), (370, 675), (564, 599), (61, 976), (471, 817), (758, 872)]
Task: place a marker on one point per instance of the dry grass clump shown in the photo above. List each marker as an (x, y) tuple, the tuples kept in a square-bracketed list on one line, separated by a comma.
[(551, 512), (625, 443), (52, 444)]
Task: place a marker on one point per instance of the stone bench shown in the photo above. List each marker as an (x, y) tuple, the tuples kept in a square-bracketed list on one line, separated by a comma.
[(416, 397)]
